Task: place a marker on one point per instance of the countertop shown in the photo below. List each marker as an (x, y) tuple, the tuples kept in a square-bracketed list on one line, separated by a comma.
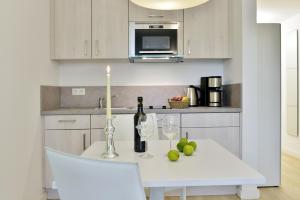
[(96, 111)]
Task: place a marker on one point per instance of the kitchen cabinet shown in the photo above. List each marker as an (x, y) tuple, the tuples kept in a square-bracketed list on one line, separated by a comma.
[(206, 31), (140, 14), (89, 29), (224, 128), (67, 122), (71, 29), (66, 133), (160, 118), (110, 29), (68, 141), (228, 137), (123, 123)]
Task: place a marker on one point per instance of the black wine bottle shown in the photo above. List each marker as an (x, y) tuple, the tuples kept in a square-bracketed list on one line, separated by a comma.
[(139, 146)]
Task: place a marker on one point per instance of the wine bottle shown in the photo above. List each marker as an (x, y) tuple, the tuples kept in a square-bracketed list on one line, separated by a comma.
[(139, 146)]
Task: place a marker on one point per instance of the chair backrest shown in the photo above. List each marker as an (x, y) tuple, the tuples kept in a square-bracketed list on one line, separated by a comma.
[(83, 179)]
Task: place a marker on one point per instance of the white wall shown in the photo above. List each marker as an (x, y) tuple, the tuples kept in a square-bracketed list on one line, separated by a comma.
[(125, 73), (24, 65), (260, 99), (290, 144)]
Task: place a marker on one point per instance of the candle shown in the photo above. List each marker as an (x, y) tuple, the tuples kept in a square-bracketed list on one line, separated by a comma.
[(108, 93)]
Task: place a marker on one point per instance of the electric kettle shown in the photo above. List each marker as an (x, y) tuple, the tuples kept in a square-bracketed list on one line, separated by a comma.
[(192, 94)]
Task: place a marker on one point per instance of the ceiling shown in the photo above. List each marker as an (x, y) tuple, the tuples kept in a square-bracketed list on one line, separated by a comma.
[(276, 11)]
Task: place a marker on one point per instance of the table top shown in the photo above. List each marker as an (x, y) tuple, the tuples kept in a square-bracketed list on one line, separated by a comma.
[(210, 165)]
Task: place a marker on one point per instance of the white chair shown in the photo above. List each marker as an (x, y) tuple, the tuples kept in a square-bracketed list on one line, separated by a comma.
[(83, 179)]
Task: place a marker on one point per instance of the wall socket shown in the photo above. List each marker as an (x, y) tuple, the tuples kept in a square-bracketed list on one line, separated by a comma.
[(78, 91)]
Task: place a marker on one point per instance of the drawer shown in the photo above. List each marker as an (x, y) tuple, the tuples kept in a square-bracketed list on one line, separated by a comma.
[(121, 122), (67, 122), (98, 121), (140, 14), (161, 116), (202, 120)]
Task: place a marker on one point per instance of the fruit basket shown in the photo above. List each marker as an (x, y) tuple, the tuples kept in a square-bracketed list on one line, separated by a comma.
[(179, 104)]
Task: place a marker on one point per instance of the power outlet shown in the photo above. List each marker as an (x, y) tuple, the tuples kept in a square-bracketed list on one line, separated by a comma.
[(78, 91)]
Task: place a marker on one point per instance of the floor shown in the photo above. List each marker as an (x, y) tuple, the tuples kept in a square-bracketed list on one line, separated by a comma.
[(289, 190)]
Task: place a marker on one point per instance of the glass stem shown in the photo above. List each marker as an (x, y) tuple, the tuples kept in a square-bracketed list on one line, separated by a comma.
[(170, 144), (146, 148)]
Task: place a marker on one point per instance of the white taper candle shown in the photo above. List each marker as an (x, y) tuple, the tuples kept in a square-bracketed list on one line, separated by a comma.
[(108, 93)]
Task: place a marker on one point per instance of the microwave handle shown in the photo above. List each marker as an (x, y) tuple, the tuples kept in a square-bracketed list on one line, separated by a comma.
[(156, 16)]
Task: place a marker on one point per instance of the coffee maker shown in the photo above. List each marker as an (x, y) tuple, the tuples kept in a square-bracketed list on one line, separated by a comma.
[(211, 91)]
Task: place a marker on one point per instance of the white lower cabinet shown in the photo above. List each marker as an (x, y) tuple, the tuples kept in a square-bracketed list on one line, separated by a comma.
[(123, 123), (228, 137), (74, 133), (223, 128), (68, 141), (97, 135)]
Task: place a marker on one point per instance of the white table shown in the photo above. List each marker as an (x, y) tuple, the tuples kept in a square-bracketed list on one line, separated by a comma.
[(211, 165)]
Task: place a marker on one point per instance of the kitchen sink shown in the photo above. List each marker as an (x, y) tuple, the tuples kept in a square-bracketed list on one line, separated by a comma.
[(117, 108)]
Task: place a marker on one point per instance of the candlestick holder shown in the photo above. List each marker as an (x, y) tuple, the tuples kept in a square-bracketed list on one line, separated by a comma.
[(110, 151)]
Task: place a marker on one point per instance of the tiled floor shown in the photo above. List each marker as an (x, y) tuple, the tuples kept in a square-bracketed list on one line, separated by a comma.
[(289, 190)]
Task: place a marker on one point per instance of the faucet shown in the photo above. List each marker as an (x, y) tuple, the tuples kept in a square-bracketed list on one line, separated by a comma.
[(101, 99), (100, 102)]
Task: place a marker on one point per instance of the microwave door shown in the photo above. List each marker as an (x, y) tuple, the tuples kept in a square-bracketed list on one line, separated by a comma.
[(158, 41)]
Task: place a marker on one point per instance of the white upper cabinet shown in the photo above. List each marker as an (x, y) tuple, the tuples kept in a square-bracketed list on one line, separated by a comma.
[(110, 29), (71, 29), (206, 30), (140, 14)]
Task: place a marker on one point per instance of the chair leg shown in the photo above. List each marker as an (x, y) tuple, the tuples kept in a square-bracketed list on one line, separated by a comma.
[(183, 193), (157, 194)]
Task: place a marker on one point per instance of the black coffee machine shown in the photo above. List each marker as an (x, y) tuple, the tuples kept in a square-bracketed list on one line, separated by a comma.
[(211, 91)]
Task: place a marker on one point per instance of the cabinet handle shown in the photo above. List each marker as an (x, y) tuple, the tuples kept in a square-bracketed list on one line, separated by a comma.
[(97, 48), (85, 47), (189, 47), (187, 135), (67, 121), (156, 16), (84, 147)]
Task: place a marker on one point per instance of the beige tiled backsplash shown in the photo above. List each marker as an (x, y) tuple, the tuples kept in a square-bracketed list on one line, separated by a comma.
[(123, 96)]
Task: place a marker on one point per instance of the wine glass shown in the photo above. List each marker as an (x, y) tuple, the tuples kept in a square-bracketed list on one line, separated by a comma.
[(145, 127), (170, 125)]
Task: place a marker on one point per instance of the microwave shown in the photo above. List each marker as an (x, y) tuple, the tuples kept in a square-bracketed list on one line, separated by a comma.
[(155, 42)]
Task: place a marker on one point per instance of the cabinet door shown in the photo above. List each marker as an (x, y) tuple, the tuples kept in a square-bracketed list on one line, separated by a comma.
[(206, 30), (68, 141), (97, 135), (206, 120), (228, 137), (140, 14), (110, 29), (71, 29)]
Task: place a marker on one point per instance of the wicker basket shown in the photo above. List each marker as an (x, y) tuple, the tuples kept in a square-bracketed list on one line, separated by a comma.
[(179, 104)]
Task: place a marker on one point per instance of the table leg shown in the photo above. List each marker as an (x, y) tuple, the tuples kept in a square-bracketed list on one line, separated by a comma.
[(183, 193), (157, 193), (247, 192)]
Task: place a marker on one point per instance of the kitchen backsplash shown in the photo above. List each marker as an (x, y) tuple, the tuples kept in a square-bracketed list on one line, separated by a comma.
[(124, 96)]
